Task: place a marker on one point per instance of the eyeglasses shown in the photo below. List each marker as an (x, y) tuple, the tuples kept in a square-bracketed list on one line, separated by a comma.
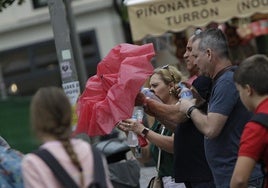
[(166, 67)]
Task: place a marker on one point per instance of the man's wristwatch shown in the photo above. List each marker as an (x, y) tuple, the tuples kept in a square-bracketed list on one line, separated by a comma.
[(145, 132), (190, 110)]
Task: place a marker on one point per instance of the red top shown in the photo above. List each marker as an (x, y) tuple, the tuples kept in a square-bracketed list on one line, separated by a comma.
[(254, 140)]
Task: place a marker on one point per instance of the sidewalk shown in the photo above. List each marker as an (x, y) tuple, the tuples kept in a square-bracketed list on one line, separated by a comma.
[(146, 174)]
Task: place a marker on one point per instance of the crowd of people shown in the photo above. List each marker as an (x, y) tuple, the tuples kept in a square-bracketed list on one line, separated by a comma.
[(212, 140), (222, 123)]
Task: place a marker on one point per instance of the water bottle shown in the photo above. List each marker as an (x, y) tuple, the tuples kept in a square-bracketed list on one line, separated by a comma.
[(132, 138), (185, 93), (149, 94), (139, 114)]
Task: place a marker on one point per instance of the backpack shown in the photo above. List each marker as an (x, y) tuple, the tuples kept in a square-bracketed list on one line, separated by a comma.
[(64, 178), (124, 173), (260, 118), (10, 168)]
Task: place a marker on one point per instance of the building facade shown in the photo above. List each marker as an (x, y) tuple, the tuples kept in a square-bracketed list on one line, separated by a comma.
[(28, 58)]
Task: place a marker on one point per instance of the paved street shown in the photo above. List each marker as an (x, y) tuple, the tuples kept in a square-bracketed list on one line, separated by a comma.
[(146, 174)]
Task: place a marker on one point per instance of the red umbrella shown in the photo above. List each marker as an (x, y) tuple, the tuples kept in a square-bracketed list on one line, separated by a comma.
[(110, 95)]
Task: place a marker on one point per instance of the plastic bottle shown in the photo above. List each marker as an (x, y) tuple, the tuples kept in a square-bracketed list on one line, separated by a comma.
[(185, 93), (132, 138), (148, 93), (139, 114)]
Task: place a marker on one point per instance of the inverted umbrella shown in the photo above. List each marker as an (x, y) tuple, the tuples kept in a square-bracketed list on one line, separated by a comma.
[(109, 96)]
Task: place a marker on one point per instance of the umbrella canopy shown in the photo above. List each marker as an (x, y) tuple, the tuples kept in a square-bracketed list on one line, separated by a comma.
[(109, 95), (155, 17)]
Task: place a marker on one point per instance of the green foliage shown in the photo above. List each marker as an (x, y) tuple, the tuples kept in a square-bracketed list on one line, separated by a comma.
[(6, 3)]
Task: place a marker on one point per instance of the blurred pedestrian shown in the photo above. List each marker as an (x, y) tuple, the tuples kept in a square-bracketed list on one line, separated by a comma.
[(10, 166), (51, 122), (250, 79)]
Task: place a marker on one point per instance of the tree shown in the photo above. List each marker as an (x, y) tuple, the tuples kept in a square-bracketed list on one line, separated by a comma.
[(6, 3)]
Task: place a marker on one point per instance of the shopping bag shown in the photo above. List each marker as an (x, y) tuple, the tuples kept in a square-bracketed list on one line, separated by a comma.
[(155, 182)]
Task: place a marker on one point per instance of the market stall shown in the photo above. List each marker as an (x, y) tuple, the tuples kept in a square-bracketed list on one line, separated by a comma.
[(155, 17)]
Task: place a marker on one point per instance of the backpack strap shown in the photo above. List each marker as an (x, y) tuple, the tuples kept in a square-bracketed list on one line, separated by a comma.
[(63, 177), (260, 118), (99, 173)]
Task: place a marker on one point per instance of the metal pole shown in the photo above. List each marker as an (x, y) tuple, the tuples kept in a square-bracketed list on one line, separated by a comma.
[(64, 50), (75, 41)]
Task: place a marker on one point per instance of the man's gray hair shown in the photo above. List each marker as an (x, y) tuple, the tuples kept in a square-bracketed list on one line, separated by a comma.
[(215, 40)]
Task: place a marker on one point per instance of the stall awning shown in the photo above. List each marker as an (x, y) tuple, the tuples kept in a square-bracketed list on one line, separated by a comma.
[(155, 17)]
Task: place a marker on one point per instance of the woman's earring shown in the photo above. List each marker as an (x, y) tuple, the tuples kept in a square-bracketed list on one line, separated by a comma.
[(170, 92)]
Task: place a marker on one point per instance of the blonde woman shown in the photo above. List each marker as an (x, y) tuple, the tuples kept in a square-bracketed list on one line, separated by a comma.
[(162, 83)]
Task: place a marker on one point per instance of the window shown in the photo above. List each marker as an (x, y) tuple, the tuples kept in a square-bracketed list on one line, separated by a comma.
[(39, 3), (33, 66)]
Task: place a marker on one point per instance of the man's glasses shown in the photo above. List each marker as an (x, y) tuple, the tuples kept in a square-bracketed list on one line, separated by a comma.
[(166, 67)]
